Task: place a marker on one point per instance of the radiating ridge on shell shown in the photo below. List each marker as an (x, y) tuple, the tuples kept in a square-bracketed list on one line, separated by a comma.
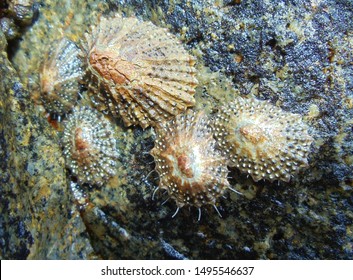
[(189, 166), (262, 140), (90, 147), (60, 77), (139, 71)]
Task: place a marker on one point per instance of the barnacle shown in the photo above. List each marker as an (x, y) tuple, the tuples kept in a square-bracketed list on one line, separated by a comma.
[(262, 140), (189, 166), (139, 71), (60, 77), (90, 148)]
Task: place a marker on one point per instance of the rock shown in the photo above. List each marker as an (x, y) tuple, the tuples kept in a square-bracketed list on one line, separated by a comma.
[(296, 56)]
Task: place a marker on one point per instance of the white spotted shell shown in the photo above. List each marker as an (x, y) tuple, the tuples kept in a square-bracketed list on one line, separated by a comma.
[(190, 167), (60, 77), (90, 148), (139, 71), (262, 140)]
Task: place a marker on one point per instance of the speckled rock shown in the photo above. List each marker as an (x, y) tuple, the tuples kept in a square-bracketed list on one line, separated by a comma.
[(34, 201), (297, 56)]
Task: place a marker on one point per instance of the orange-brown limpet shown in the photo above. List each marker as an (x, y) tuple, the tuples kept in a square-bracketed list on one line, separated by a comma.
[(138, 71), (190, 167)]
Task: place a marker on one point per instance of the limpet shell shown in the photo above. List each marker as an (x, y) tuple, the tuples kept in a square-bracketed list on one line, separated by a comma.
[(189, 166), (60, 77), (139, 71), (90, 147), (262, 140)]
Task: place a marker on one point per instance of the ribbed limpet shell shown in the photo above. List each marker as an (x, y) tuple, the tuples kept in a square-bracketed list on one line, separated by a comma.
[(139, 71), (190, 167), (90, 147), (262, 140), (60, 77)]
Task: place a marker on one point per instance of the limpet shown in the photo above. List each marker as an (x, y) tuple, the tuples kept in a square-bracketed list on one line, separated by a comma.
[(262, 140), (190, 167), (60, 77), (89, 146), (139, 71)]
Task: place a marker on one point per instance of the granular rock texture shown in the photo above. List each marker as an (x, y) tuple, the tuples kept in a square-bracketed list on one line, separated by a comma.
[(16, 14)]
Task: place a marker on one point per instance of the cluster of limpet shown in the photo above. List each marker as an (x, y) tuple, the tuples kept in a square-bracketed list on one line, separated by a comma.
[(90, 148), (190, 168), (262, 140), (60, 76), (138, 71)]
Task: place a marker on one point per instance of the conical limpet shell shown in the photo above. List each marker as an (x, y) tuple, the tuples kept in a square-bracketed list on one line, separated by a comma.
[(60, 77), (90, 147), (139, 71), (262, 140), (189, 166)]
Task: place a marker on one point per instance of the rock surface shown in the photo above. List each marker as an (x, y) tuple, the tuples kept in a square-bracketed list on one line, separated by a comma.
[(297, 54)]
